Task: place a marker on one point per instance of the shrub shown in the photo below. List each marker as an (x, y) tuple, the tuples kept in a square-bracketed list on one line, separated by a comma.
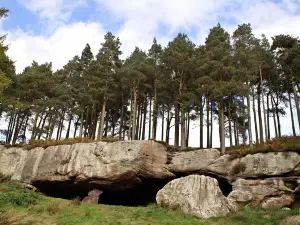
[(17, 195), (238, 168)]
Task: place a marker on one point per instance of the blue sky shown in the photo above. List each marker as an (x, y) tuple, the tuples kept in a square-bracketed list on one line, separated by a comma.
[(40, 28), (56, 30)]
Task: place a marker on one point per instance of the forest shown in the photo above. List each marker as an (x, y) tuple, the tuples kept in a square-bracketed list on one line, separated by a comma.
[(235, 79)]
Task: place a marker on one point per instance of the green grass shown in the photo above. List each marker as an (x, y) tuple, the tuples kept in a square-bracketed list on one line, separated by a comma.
[(45, 210)]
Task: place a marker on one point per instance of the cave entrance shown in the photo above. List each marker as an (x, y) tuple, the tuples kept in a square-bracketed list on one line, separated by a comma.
[(63, 189), (141, 195)]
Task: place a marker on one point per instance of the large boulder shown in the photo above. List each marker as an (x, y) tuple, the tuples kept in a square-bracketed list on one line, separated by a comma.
[(117, 165), (196, 195)]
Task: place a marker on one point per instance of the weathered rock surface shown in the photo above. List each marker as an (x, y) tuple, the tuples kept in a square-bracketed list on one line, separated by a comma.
[(293, 220), (268, 193), (196, 195), (265, 164), (117, 165), (193, 161), (267, 180)]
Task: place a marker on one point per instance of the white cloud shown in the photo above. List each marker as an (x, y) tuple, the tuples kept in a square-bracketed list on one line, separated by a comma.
[(53, 10), (66, 42)]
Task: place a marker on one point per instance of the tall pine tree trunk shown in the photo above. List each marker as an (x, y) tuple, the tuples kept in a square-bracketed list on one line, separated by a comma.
[(235, 134), (81, 124), (69, 126), (296, 103), (183, 128), (162, 124), (263, 102), (274, 117), (16, 130), (268, 117), (43, 125), (222, 127), (134, 112), (292, 116), (249, 120), (76, 127), (144, 119), (261, 132), (254, 115), (155, 113), (211, 129), (101, 125), (168, 126), (150, 118), (176, 138), (34, 126), (201, 122), (207, 123), (188, 128), (229, 123), (122, 119), (137, 122)]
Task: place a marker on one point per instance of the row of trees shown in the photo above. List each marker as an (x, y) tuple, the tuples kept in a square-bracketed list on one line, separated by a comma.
[(230, 78)]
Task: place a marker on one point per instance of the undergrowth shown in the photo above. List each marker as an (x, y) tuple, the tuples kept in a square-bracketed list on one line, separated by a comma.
[(47, 143), (13, 194), (282, 144)]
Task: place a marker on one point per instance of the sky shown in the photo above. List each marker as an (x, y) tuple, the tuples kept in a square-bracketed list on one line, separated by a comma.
[(56, 30)]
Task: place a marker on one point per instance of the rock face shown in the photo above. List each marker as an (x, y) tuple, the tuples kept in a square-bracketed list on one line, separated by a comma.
[(196, 195), (118, 165), (267, 180), (268, 193)]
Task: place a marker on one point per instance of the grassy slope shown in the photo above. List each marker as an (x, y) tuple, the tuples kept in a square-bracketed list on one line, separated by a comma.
[(20, 207)]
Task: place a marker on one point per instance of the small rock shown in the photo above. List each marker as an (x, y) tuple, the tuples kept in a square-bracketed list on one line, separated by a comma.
[(93, 197)]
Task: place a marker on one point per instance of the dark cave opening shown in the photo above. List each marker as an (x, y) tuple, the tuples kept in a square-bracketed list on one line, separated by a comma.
[(140, 195), (224, 184), (63, 189)]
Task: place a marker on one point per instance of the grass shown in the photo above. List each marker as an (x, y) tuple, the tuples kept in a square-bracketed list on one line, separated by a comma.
[(46, 211), (283, 144), (47, 143)]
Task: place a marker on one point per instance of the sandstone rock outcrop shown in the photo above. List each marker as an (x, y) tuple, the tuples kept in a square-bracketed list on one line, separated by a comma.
[(196, 195), (268, 180), (118, 165)]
